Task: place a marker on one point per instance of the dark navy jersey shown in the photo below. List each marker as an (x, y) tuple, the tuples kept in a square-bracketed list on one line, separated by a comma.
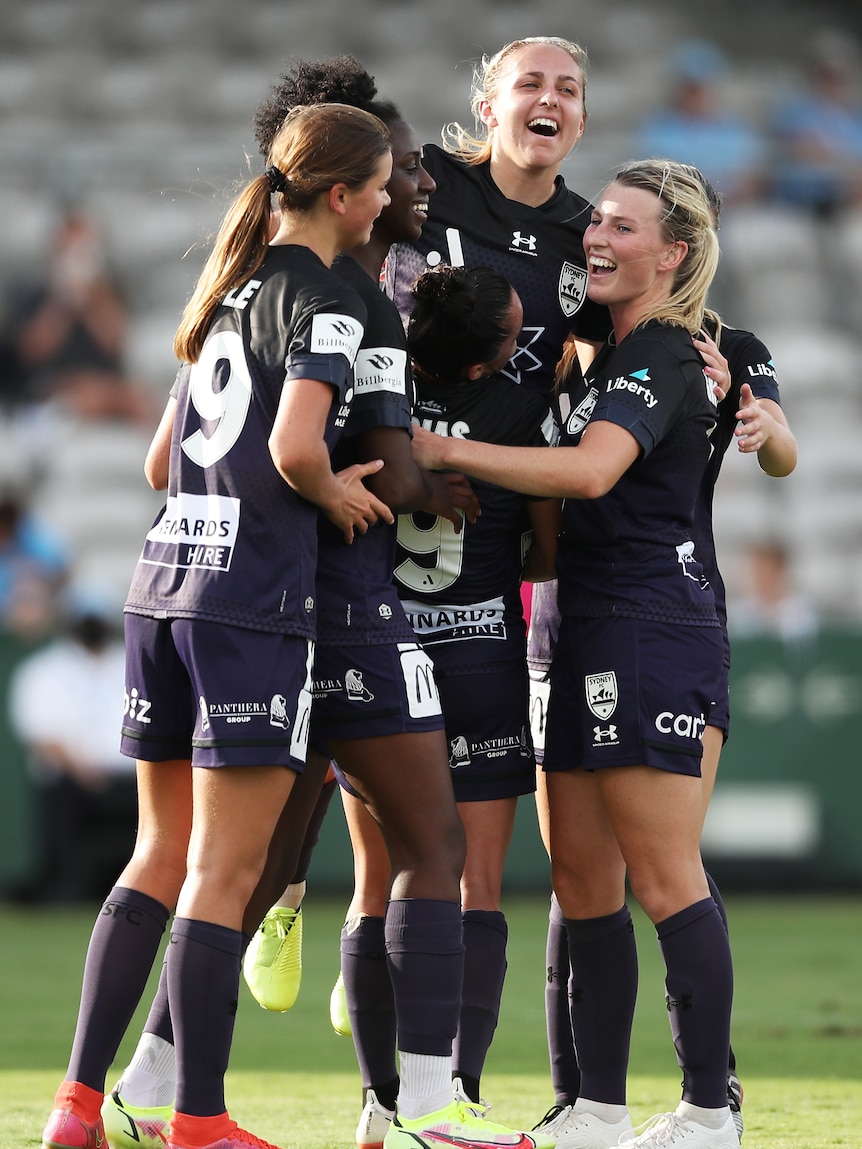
[(356, 596), (234, 543), (750, 362), (465, 585), (631, 552), (538, 249)]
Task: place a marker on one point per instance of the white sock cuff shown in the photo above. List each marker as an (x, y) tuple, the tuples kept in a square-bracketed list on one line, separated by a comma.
[(711, 1118)]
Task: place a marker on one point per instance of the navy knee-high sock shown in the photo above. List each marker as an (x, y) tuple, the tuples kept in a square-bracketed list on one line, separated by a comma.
[(717, 898), (604, 990), (203, 987), (123, 947), (699, 984), (565, 1075), (312, 832), (159, 1018), (485, 937), (425, 954), (371, 1004)]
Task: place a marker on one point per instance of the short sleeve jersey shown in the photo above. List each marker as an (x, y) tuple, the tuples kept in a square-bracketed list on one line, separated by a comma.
[(466, 584), (631, 552), (357, 600), (234, 543), (538, 249), (750, 362)]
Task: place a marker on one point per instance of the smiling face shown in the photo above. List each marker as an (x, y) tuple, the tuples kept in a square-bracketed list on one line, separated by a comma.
[(630, 260), (363, 204), (537, 115), (409, 188)]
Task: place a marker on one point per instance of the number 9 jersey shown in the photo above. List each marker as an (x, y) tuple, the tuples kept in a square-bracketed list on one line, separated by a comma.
[(234, 543)]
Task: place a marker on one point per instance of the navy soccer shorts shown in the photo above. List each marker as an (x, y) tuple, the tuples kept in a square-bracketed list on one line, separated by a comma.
[(215, 694), (625, 692), (373, 691)]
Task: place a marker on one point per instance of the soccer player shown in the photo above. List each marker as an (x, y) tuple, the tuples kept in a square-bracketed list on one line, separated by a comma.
[(502, 203), (461, 594), (638, 657), (750, 414), (376, 707), (220, 616)]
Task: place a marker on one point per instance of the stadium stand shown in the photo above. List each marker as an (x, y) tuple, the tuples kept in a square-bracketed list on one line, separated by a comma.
[(142, 111)]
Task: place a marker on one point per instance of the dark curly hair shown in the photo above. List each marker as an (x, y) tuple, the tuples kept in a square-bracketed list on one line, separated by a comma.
[(459, 318), (335, 80)]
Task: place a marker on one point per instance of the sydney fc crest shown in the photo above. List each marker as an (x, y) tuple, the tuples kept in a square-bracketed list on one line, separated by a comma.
[(601, 693), (572, 288)]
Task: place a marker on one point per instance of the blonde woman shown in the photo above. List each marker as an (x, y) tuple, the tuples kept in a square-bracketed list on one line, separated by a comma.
[(638, 658)]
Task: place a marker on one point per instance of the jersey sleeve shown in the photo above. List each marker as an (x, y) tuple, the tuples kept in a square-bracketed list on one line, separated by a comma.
[(327, 333), (182, 373), (750, 361), (643, 390), (383, 391)]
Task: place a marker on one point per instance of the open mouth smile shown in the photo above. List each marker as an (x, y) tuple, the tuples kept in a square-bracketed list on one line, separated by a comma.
[(543, 127)]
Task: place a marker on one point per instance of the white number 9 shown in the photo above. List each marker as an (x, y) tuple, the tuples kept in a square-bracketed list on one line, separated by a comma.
[(439, 539), (227, 407)]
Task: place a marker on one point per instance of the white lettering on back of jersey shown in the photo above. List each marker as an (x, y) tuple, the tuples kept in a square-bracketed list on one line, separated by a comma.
[(194, 531), (238, 297), (220, 392), (457, 430)]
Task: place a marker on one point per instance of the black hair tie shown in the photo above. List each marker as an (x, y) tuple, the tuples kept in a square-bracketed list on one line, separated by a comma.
[(277, 179)]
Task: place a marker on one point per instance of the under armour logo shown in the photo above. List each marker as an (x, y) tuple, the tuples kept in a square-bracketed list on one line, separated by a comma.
[(521, 240)]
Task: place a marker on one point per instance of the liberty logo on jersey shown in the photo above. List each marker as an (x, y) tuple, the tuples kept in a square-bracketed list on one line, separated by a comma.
[(572, 287), (634, 382), (601, 691), (767, 369)]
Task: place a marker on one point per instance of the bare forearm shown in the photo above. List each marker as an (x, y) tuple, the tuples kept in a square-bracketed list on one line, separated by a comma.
[(530, 470), (310, 475), (778, 455)]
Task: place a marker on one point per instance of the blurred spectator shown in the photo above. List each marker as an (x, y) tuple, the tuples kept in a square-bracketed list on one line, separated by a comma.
[(770, 605), (68, 335), (818, 131), (65, 707), (694, 127), (33, 567)]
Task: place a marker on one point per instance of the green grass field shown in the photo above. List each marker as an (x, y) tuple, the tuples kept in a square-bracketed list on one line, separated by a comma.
[(797, 1028)]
